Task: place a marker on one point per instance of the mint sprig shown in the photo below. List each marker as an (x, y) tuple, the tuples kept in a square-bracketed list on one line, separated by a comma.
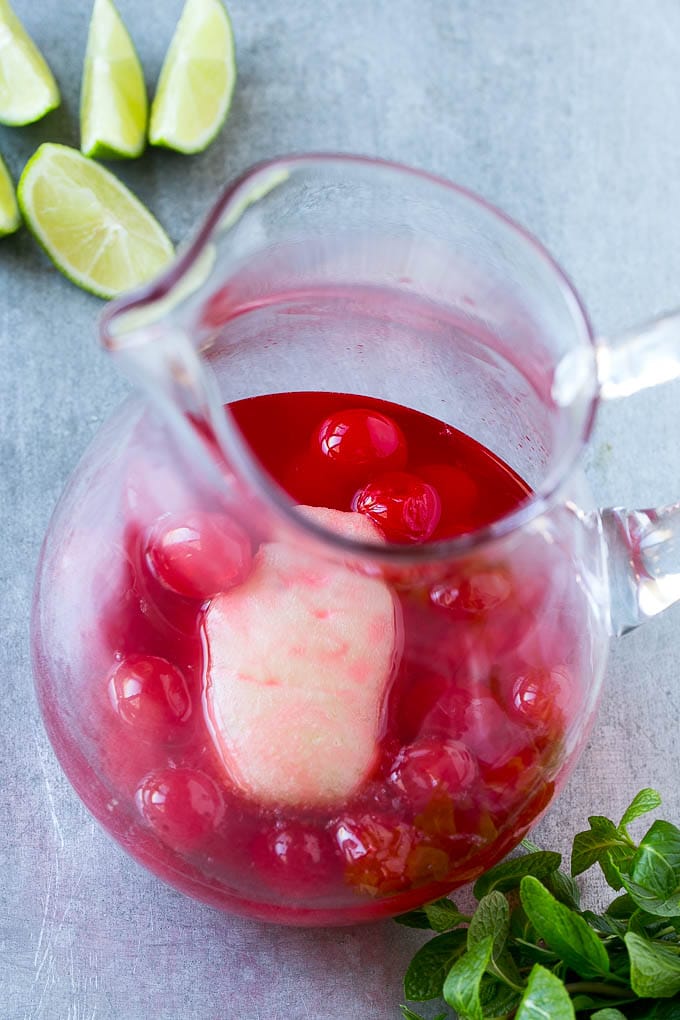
[(529, 950)]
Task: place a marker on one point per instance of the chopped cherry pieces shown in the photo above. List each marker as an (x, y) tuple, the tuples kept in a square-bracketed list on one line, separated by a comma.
[(358, 442), (151, 695), (376, 851), (183, 806), (198, 554), (406, 508)]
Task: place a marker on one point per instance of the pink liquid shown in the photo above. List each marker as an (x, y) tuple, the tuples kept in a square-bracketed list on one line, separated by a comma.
[(474, 722)]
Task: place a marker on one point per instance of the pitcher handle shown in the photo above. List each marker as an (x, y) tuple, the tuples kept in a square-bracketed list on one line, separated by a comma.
[(643, 546)]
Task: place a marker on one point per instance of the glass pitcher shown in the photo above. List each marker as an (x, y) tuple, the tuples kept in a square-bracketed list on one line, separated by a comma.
[(322, 617)]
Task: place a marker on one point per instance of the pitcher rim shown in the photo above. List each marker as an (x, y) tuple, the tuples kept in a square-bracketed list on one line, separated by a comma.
[(531, 508)]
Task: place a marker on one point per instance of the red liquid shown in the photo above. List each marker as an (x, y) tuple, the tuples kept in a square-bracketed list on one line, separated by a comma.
[(473, 722)]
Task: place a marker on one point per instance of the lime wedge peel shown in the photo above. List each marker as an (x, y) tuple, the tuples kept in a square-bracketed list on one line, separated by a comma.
[(113, 105), (91, 226), (197, 79), (27, 87), (10, 219)]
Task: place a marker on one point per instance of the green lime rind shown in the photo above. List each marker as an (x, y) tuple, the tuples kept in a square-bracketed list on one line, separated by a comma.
[(92, 227), (10, 217), (114, 108), (28, 90), (197, 80)]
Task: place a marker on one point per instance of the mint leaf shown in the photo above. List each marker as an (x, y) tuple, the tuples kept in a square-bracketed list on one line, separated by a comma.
[(564, 888), (614, 864), (425, 976), (496, 998), (563, 930), (462, 985), (414, 919), (604, 924), (580, 1002), (656, 864), (645, 801), (491, 918), (545, 998), (529, 953), (601, 844), (654, 970), (509, 874), (649, 900), (654, 881), (622, 907), (608, 1014), (443, 915), (664, 1011), (664, 839), (440, 915), (505, 969)]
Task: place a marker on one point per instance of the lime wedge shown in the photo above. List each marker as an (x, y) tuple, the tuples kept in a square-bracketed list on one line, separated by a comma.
[(113, 104), (93, 228), (27, 87), (10, 219), (196, 81)]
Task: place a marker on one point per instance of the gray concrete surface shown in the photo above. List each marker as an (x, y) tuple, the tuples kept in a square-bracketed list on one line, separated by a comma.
[(561, 114)]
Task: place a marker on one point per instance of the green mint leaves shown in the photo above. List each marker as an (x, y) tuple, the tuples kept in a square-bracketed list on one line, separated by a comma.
[(530, 952), (507, 875), (563, 930), (428, 969), (545, 996)]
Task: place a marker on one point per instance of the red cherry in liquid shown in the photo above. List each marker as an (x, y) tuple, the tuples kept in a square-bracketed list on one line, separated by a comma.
[(359, 442), (475, 594), (434, 766), (291, 857), (500, 614), (459, 495), (150, 695), (198, 554), (504, 750), (541, 698), (183, 806), (406, 508), (419, 700)]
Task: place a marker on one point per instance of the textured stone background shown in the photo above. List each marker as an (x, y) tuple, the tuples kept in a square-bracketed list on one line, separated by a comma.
[(561, 114)]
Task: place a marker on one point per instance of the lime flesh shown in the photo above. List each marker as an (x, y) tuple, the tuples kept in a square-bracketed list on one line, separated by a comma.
[(92, 227), (27, 87), (10, 219), (113, 104), (197, 79)]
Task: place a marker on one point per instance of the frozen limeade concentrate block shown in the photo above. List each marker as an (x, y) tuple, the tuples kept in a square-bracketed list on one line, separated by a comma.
[(300, 657)]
